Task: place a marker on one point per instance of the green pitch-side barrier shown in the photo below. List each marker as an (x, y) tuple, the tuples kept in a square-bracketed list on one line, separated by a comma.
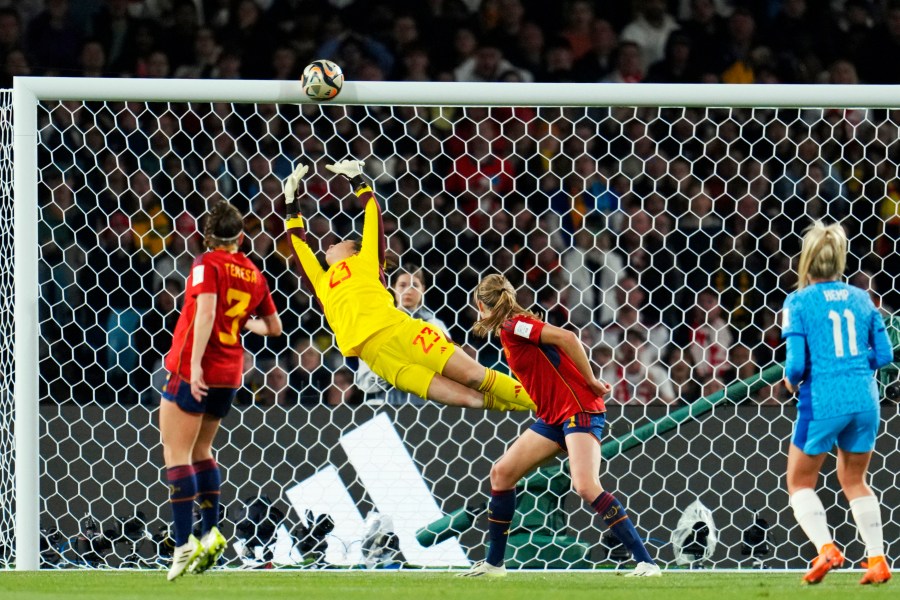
[(539, 486), (542, 492), (736, 392)]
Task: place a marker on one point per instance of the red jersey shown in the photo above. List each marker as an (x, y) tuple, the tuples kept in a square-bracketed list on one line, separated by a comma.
[(241, 290), (550, 377)]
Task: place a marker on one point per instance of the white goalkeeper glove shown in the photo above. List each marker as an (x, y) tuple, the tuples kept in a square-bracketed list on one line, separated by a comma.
[(291, 184), (351, 169)]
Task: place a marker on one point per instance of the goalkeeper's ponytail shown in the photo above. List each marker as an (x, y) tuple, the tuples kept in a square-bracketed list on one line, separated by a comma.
[(499, 296)]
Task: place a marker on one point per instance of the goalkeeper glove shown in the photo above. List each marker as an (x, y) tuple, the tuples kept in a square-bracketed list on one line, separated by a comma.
[(291, 186), (351, 169)]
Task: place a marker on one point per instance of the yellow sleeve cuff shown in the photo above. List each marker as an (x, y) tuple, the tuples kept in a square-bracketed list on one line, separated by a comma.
[(294, 223)]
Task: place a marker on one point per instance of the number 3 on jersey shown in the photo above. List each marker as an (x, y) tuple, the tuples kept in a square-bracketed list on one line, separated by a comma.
[(238, 302)]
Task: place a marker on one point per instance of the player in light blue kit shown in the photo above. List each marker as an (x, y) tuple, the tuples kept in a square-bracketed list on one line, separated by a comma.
[(835, 340)]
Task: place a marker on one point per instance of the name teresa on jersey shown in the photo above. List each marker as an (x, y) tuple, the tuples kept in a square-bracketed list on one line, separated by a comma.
[(836, 295), (239, 272)]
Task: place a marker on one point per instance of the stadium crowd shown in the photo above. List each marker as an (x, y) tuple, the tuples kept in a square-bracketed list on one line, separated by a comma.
[(663, 236)]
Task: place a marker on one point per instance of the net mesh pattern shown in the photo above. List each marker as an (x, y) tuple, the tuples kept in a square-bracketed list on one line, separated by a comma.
[(664, 236)]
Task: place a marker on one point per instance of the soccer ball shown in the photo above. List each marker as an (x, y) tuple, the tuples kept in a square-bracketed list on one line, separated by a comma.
[(322, 80)]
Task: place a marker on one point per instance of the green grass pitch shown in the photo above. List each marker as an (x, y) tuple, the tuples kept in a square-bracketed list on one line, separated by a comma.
[(306, 585)]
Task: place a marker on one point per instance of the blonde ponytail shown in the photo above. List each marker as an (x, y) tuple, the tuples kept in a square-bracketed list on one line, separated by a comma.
[(499, 296), (824, 253)]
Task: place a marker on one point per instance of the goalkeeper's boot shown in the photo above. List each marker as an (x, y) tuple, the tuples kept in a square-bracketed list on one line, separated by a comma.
[(829, 558), (645, 569), (877, 571), (213, 543), (484, 569), (184, 556)]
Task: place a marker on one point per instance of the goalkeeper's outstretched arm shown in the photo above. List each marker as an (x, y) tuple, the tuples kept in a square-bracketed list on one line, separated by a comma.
[(373, 240), (295, 226)]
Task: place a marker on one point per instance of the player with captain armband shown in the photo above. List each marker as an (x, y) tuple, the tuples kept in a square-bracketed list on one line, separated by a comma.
[(836, 339), (553, 366), (206, 365), (410, 354)]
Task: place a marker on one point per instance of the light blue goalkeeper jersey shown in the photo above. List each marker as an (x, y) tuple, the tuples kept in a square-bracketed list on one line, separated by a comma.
[(835, 340)]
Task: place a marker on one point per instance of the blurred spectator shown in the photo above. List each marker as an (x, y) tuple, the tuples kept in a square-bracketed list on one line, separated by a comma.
[(798, 36), (353, 51), (706, 29), (252, 382), (309, 378), (157, 325), (592, 272), (479, 172), (415, 65), (736, 65), (229, 66), (92, 59), (528, 51), (10, 32), (52, 39), (586, 201), (16, 65), (685, 386), (487, 64), (114, 29), (203, 60), (248, 36), (597, 62), (882, 42), (183, 25), (634, 381), (709, 338), (275, 389), (510, 23), (119, 287), (650, 30), (628, 65), (284, 64), (853, 30), (559, 63), (342, 390), (578, 28), (157, 66), (677, 66), (151, 225)]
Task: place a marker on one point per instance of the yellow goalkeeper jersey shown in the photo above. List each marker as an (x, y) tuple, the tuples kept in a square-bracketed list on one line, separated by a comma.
[(352, 292)]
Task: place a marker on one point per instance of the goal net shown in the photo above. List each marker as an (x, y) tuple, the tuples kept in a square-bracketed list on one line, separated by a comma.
[(663, 234)]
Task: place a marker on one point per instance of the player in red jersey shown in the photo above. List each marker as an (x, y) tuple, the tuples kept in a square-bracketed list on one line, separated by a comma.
[(205, 366), (552, 365)]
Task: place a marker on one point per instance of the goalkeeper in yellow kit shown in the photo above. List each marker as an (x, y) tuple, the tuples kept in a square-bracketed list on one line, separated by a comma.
[(410, 354)]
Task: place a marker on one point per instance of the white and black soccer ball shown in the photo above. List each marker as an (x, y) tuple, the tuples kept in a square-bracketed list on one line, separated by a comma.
[(322, 80)]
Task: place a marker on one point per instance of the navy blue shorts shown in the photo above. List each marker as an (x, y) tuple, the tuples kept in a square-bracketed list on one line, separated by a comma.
[(592, 423), (216, 402)]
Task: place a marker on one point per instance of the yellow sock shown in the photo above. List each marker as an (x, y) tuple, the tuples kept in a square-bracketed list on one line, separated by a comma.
[(502, 392)]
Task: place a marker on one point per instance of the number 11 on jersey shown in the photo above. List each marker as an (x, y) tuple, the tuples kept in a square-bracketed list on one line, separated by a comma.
[(838, 330)]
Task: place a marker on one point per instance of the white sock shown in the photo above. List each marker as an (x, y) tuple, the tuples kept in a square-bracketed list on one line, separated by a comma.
[(810, 514), (867, 514)]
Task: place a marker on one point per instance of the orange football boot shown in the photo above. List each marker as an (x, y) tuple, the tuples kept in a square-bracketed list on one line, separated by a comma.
[(829, 558), (877, 571)]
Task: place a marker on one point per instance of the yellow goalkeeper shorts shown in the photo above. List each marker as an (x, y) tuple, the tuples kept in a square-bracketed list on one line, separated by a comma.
[(409, 355)]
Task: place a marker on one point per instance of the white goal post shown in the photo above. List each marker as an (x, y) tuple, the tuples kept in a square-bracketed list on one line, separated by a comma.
[(30, 93)]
